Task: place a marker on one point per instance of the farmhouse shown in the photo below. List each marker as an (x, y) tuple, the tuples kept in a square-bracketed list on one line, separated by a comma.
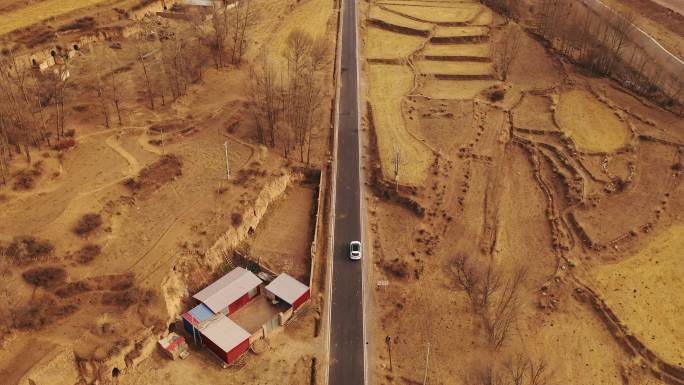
[(231, 313), (230, 292), (287, 289)]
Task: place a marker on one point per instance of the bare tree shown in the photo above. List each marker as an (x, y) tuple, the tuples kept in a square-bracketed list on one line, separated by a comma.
[(303, 91), (493, 296), (505, 52), (220, 29), (265, 93), (144, 54), (244, 18), (520, 369)]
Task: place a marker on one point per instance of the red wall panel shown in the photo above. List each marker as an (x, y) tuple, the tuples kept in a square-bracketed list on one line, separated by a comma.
[(240, 302), (238, 350), (303, 298)]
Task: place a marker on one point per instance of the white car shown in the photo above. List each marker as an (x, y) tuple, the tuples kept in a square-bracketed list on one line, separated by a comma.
[(355, 250)]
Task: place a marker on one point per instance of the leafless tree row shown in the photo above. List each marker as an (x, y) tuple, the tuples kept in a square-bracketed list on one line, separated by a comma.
[(286, 103), (520, 369), (602, 44), (505, 51), (228, 38), (494, 297)]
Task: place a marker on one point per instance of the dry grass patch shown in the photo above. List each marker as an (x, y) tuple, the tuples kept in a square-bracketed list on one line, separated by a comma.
[(592, 125), (474, 50), (486, 17), (457, 13), (454, 89), (388, 86), (642, 292), (453, 68), (443, 32), (40, 11), (384, 44), (380, 14)]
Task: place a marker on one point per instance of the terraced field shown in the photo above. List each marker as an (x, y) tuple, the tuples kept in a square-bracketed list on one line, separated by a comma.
[(444, 45)]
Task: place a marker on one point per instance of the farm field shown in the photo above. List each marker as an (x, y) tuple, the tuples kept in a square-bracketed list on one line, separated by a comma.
[(564, 186)]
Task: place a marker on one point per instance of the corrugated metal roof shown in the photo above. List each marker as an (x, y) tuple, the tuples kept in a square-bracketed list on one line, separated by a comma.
[(198, 314), (227, 289), (201, 3), (287, 288), (225, 333)]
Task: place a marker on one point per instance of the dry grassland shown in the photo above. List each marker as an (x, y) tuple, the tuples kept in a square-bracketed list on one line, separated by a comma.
[(383, 44), (592, 125), (454, 89), (453, 68), (642, 289), (457, 50), (458, 13), (387, 86), (442, 31), (40, 11), (377, 13)]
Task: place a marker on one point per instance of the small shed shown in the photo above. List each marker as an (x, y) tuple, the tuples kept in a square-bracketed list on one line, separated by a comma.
[(230, 292), (289, 290), (225, 338), (173, 346), (193, 319)]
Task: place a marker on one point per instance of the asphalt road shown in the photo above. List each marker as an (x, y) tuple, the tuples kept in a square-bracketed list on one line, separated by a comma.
[(346, 325)]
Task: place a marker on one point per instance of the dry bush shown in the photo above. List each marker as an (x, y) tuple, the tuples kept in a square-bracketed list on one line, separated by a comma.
[(25, 179), (87, 224), (163, 171), (23, 250), (65, 144), (41, 312), (126, 298), (397, 268), (73, 288), (496, 95), (88, 253), (86, 23), (44, 276), (236, 219)]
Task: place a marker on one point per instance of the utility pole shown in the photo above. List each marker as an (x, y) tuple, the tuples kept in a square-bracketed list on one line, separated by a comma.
[(225, 144), (427, 361), (388, 341), (396, 169)]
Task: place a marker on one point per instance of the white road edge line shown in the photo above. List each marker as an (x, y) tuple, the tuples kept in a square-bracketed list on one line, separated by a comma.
[(362, 196), (333, 194)]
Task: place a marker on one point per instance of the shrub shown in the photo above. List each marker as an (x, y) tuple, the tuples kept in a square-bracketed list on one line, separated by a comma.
[(496, 95), (44, 276), (65, 144), (88, 223), (72, 289), (88, 253), (236, 219), (70, 133), (27, 249)]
